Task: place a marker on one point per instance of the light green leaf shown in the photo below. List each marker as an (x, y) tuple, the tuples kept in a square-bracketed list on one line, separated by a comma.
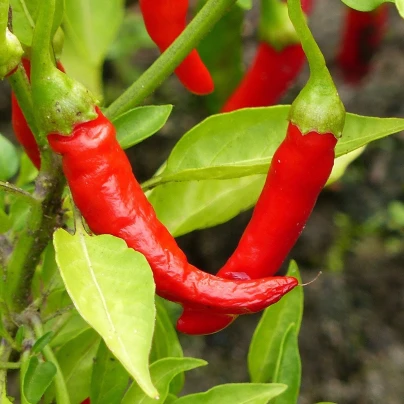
[(162, 372), (76, 360), (112, 287), (109, 379), (238, 144), (237, 393), (400, 7), (4, 397), (90, 27), (8, 159), (166, 343), (289, 367), (140, 123), (367, 5), (70, 330), (37, 379), (267, 339), (341, 164)]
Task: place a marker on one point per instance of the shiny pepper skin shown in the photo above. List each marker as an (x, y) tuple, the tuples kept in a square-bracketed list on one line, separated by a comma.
[(111, 200), (165, 20), (299, 170), (21, 129), (270, 75), (362, 36)]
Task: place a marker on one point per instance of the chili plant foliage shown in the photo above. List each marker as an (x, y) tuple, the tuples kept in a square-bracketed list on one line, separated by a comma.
[(88, 256)]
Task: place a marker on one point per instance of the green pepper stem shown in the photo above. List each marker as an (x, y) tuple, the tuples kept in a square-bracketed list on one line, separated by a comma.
[(203, 22), (42, 61), (311, 49), (318, 106)]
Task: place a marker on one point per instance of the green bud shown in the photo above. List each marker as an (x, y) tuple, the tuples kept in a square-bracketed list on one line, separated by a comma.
[(10, 54)]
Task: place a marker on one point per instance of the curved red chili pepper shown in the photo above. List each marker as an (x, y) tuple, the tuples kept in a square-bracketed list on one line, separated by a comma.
[(86, 401), (109, 197), (270, 75), (299, 170), (362, 36), (164, 21), (20, 126)]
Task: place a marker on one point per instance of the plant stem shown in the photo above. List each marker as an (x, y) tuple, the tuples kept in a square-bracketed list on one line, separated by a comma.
[(5, 352), (62, 395), (203, 22), (21, 88), (311, 49), (10, 365), (43, 218)]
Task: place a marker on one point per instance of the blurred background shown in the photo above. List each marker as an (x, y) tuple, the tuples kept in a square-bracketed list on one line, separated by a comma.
[(352, 336)]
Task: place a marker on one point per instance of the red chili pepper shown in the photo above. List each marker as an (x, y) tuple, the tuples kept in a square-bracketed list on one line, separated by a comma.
[(94, 164), (86, 401), (164, 21), (21, 129), (362, 36), (275, 66), (299, 170), (270, 75)]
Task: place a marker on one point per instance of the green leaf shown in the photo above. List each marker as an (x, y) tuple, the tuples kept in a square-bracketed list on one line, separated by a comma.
[(42, 342), (37, 379), (5, 222), (289, 367), (70, 330), (341, 164), (90, 26), (8, 159), (4, 398), (24, 17), (170, 398), (109, 379), (232, 146), (366, 5), (236, 393), (76, 360), (162, 372), (274, 323), (27, 173), (166, 343), (112, 287), (140, 123), (221, 51)]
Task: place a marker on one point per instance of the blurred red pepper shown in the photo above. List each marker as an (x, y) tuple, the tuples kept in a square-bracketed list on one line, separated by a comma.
[(165, 20), (362, 35), (278, 60)]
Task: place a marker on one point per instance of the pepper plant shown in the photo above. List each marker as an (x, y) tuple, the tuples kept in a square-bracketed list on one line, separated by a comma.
[(88, 255)]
